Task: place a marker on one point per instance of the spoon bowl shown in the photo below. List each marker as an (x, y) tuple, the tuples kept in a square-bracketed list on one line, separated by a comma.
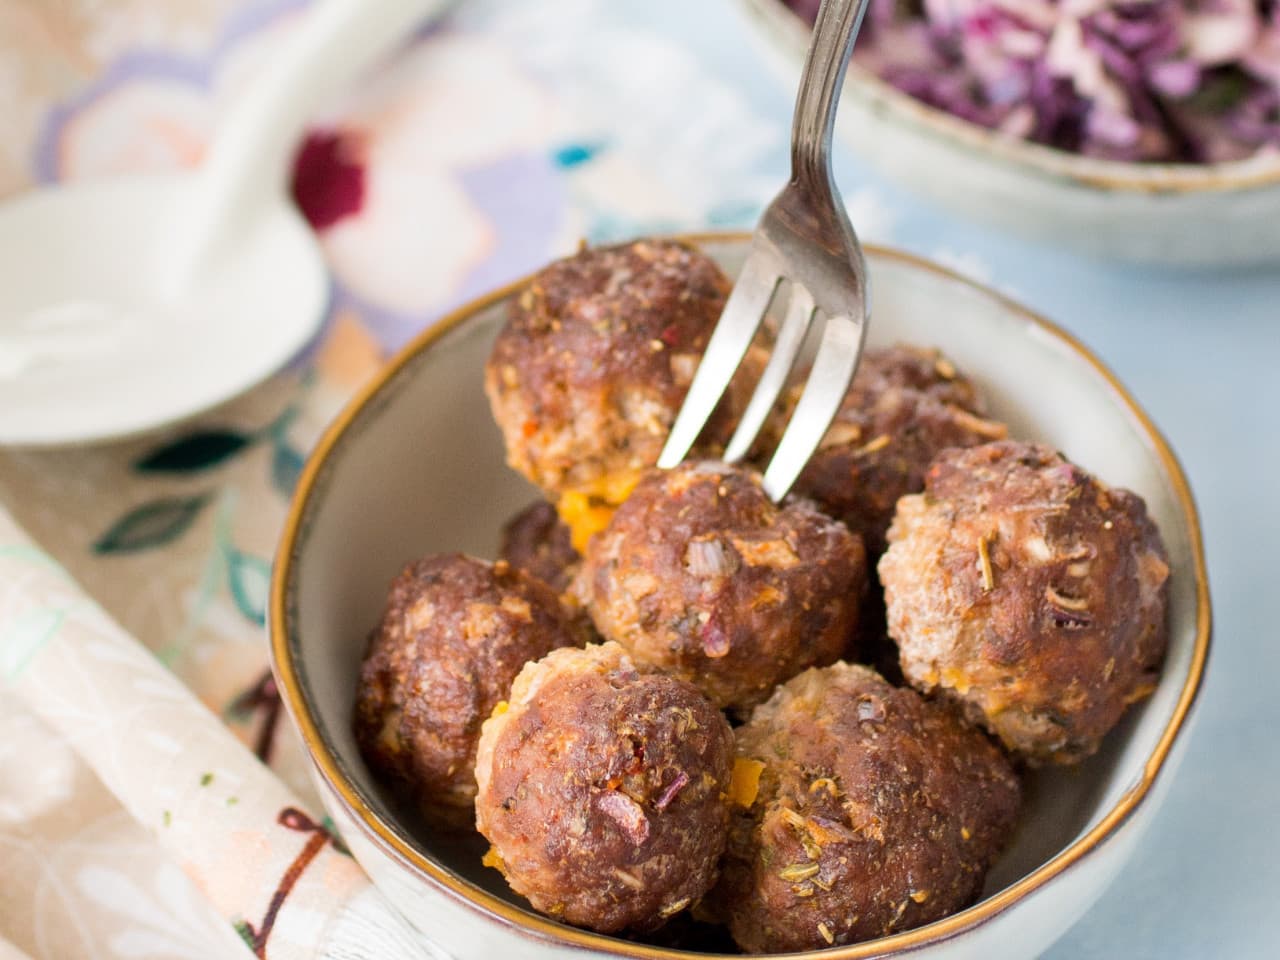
[(130, 304), (95, 342)]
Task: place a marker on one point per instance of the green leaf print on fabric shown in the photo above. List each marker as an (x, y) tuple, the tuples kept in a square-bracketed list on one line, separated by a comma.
[(245, 930), (286, 467), (194, 452), (335, 839), (250, 580), (153, 524)]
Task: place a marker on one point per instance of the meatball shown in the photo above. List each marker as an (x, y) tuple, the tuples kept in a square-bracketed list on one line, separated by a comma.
[(537, 542), (602, 790), (861, 809), (590, 370), (905, 405), (699, 573), (454, 634), (1027, 590)]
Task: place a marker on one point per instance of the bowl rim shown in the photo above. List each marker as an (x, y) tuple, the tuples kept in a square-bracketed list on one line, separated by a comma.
[(526, 922), (1260, 171)]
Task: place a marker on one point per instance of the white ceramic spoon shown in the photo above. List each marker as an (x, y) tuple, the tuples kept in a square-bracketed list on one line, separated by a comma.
[(128, 304)]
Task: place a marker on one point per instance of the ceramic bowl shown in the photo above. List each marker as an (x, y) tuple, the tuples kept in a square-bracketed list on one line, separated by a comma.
[(415, 465), (1203, 215)]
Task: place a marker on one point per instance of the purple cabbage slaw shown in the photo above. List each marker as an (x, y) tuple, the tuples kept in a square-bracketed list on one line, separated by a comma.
[(1175, 81)]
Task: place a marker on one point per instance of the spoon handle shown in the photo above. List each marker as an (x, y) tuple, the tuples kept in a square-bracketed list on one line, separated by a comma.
[(249, 161)]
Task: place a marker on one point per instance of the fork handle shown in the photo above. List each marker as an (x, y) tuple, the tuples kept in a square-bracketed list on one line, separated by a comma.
[(834, 31)]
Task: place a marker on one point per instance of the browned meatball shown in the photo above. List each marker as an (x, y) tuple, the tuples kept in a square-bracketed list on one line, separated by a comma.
[(1029, 591), (587, 376), (537, 542), (874, 811), (905, 405), (702, 575), (454, 634), (602, 790)]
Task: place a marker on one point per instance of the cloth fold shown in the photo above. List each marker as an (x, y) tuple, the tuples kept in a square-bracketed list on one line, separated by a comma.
[(271, 869)]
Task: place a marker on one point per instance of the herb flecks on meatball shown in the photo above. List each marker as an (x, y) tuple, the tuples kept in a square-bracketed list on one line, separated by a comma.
[(602, 790), (905, 406), (454, 634), (590, 370), (699, 573), (1029, 591), (874, 811)]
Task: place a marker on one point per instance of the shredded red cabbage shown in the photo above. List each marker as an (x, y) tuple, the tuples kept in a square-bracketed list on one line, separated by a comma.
[(1188, 81)]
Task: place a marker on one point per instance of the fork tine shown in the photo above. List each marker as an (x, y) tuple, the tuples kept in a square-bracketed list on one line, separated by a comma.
[(833, 368), (781, 359), (741, 318)]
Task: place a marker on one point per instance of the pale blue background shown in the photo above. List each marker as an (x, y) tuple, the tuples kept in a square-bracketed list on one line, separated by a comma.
[(1202, 352)]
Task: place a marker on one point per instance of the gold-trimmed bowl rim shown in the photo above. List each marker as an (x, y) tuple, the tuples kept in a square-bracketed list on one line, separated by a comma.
[(1252, 173), (525, 922)]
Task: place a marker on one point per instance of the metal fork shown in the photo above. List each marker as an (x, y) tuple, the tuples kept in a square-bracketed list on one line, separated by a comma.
[(804, 237)]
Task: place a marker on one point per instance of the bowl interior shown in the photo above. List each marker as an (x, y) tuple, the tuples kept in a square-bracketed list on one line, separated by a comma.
[(419, 468)]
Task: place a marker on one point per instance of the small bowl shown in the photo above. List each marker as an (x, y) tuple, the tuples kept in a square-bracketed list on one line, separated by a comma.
[(415, 465), (1201, 215)]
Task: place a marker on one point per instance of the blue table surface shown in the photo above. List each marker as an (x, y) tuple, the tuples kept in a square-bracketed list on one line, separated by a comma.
[(1202, 352)]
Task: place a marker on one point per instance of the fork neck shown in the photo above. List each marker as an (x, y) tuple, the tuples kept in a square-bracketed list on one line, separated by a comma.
[(834, 31)]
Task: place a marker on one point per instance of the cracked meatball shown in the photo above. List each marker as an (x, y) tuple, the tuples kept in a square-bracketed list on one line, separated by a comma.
[(590, 370), (454, 634), (699, 573), (905, 405), (537, 542), (1030, 592), (602, 790), (861, 810)]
